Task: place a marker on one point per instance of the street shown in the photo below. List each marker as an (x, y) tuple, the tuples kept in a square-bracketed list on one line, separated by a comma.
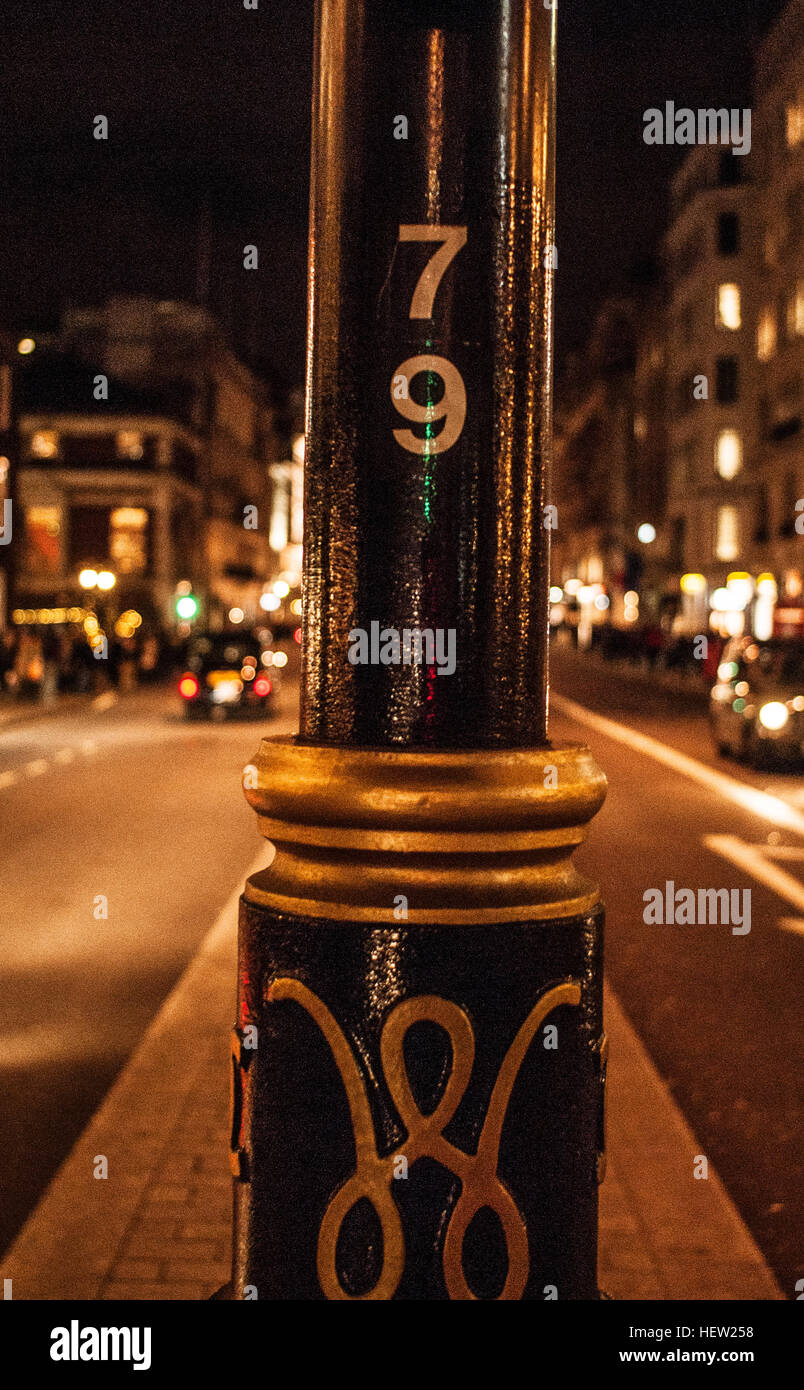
[(722, 1015), (132, 803), (128, 801)]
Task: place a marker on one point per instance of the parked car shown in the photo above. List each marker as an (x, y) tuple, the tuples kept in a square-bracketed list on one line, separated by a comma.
[(228, 673), (756, 708)]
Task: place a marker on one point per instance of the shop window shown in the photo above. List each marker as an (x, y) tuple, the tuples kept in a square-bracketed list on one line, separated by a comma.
[(128, 540), (42, 540)]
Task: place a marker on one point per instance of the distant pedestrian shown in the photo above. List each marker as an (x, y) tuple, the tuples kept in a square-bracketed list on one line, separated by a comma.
[(51, 654)]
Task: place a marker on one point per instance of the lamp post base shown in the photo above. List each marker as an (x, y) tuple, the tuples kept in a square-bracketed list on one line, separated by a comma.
[(418, 1086)]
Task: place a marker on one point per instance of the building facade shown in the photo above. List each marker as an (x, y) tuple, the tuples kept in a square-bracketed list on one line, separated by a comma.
[(710, 373), (8, 473), (609, 467), (110, 480), (710, 260), (774, 545), (148, 448)]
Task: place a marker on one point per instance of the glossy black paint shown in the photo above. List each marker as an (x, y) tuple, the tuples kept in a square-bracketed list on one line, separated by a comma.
[(294, 1127), (454, 540)]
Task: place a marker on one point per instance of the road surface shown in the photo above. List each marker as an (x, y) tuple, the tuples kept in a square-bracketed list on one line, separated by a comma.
[(130, 804)]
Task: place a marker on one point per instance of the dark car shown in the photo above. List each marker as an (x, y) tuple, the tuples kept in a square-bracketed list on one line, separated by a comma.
[(228, 673), (756, 709)]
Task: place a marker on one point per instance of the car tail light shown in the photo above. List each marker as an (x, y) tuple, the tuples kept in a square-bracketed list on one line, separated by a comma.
[(262, 686), (188, 687)]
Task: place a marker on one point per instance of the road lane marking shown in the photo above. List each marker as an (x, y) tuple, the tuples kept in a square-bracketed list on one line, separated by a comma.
[(794, 852), (7, 779), (37, 767), (752, 859), (763, 804), (796, 798), (64, 755)]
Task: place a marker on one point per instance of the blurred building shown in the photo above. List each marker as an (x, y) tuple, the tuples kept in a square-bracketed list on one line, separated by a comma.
[(147, 449), (681, 423), (777, 163), (180, 350), (609, 464), (8, 473), (711, 268), (110, 479)]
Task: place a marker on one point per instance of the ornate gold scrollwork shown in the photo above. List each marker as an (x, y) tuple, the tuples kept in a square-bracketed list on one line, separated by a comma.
[(480, 1184)]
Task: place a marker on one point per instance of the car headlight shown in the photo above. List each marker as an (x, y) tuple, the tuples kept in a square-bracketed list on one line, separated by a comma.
[(774, 715)]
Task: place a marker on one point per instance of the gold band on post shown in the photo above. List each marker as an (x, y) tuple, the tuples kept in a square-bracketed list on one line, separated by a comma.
[(466, 836)]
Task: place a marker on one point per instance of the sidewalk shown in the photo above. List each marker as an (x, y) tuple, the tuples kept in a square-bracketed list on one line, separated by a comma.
[(159, 1226), (13, 712)]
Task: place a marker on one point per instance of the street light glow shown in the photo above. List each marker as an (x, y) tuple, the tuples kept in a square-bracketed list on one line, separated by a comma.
[(774, 715), (106, 580), (88, 579), (25, 346), (646, 533)]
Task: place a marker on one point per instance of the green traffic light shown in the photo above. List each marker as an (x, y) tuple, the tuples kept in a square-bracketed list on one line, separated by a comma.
[(186, 607)]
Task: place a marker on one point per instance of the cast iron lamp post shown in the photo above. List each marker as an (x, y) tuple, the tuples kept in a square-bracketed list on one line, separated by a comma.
[(419, 1059)]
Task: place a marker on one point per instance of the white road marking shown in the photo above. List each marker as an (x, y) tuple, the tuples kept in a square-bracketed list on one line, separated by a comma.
[(37, 767), (793, 852), (752, 859), (64, 755), (758, 803), (7, 779), (793, 795)]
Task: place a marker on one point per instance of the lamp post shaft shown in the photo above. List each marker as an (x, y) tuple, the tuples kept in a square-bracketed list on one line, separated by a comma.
[(431, 231), (418, 1059)]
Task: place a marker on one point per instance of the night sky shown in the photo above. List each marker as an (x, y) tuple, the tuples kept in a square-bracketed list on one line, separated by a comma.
[(209, 103)]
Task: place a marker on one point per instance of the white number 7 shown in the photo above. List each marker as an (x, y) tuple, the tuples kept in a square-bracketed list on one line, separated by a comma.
[(430, 279)]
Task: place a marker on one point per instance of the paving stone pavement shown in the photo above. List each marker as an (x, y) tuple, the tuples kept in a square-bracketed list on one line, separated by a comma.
[(159, 1227)]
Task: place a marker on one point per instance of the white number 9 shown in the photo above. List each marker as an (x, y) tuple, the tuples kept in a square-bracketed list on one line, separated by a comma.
[(451, 408)]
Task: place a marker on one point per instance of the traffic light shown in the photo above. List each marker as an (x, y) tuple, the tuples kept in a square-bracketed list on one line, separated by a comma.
[(187, 607)]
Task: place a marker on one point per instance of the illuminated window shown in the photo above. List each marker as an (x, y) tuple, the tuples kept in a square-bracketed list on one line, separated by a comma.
[(42, 540), (729, 453), (795, 123), (128, 539), (728, 307), (795, 312), (44, 444), (727, 534), (129, 445), (766, 334)]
